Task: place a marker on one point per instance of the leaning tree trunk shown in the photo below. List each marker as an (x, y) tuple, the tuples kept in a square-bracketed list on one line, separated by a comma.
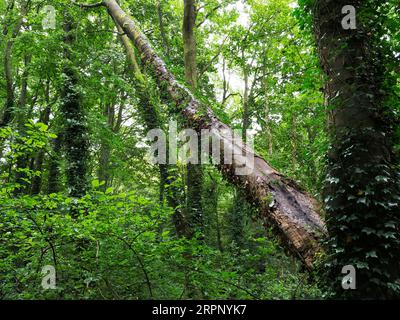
[(292, 212), (362, 193)]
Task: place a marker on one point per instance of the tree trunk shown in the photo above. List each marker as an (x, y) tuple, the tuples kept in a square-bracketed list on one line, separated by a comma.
[(246, 106), (21, 115), (53, 181), (39, 158), (291, 211), (189, 42), (362, 191), (74, 126), (8, 68), (105, 149), (162, 28), (194, 178)]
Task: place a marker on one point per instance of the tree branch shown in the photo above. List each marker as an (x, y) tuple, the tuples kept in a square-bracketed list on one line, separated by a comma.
[(209, 64), (208, 14), (88, 5)]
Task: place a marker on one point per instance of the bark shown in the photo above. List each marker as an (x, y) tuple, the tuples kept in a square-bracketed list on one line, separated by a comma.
[(189, 42), (291, 211), (194, 178), (162, 28), (267, 128), (53, 182), (8, 68), (362, 191), (237, 219), (213, 219), (39, 158), (246, 107), (74, 127), (105, 149), (38, 164), (224, 84)]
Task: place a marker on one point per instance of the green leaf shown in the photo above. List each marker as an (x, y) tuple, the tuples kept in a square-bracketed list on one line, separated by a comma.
[(95, 184)]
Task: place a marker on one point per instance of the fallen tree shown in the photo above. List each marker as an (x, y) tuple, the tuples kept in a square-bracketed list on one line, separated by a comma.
[(293, 213)]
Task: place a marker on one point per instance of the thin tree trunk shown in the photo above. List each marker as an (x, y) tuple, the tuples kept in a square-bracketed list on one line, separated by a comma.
[(39, 159), (194, 178), (246, 107), (162, 28), (21, 115), (53, 181), (8, 68), (267, 128), (105, 149), (189, 42)]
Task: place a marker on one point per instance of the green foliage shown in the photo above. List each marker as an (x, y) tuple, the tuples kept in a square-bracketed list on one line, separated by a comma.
[(121, 247), (36, 137), (109, 228)]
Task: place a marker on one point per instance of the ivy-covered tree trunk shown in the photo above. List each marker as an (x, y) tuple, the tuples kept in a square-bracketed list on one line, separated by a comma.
[(212, 224), (291, 211), (362, 191), (237, 218), (74, 121), (194, 178)]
